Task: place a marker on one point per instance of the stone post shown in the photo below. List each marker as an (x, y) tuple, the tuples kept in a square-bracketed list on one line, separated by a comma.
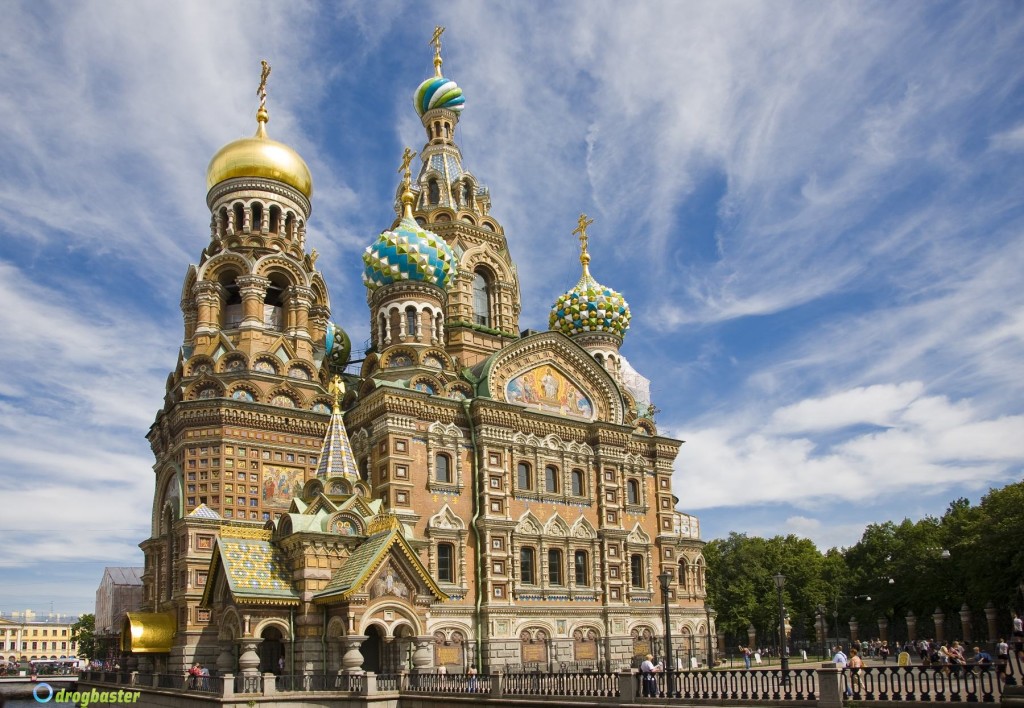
[(269, 684), (992, 619), (830, 690), (498, 684), (883, 629), (249, 660), (228, 687), (939, 618), (751, 637), (352, 659), (965, 623), (423, 655), (854, 630), (369, 684), (911, 626), (627, 687)]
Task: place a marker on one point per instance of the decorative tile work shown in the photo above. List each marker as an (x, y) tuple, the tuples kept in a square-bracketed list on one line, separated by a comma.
[(410, 252), (255, 568), (590, 307)]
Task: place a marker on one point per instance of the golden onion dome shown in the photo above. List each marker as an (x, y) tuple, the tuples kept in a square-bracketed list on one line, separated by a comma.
[(259, 156)]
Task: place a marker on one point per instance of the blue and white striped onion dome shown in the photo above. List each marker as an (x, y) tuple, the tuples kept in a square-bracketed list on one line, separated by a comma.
[(590, 307), (410, 252), (438, 92)]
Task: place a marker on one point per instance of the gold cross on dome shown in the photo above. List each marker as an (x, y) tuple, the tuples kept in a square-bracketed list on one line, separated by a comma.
[(262, 90), (436, 41), (337, 389), (581, 230)]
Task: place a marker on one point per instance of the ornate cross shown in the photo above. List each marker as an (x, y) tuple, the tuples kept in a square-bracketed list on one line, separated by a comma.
[(407, 158), (436, 41), (337, 389), (581, 230), (262, 90)]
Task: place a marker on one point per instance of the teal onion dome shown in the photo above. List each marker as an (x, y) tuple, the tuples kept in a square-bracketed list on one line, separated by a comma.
[(337, 347), (590, 307), (438, 92), (410, 252)]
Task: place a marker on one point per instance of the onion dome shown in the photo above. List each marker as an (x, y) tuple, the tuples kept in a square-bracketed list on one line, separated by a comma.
[(259, 156), (410, 252), (438, 92), (337, 347), (589, 306)]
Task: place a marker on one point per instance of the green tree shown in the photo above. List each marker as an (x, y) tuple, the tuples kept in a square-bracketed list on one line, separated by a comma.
[(83, 632)]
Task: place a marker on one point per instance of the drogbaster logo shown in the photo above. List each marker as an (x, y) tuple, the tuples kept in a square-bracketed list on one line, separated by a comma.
[(43, 693)]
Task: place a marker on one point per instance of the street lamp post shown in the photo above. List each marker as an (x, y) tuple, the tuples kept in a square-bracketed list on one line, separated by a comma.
[(823, 626), (780, 582), (666, 581), (711, 648)]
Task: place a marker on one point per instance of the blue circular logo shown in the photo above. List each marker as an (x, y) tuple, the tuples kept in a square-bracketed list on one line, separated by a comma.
[(35, 692)]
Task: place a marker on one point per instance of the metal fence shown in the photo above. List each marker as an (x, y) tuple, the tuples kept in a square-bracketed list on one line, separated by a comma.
[(582, 684)]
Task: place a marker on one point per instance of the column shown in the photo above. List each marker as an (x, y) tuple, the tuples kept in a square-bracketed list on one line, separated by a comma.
[(423, 655), (208, 296), (911, 626), (249, 659), (751, 637), (253, 290), (300, 298), (965, 623), (940, 624), (883, 629), (992, 617), (352, 659), (226, 658), (854, 630)]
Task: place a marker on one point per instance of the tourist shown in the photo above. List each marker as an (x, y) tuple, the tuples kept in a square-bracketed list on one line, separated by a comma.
[(745, 651), (1002, 658), (840, 660), (648, 680), (471, 672), (856, 664), (1018, 635)]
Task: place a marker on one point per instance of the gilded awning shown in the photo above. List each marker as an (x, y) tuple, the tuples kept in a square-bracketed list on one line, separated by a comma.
[(147, 632)]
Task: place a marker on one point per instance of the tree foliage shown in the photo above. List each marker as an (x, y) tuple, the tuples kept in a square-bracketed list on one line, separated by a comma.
[(971, 556), (83, 631)]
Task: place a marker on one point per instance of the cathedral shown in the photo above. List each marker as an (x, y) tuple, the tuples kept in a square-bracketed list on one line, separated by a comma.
[(461, 493)]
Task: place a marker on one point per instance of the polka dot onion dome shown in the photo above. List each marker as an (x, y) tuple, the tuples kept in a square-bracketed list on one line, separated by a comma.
[(590, 307), (410, 252), (438, 92)]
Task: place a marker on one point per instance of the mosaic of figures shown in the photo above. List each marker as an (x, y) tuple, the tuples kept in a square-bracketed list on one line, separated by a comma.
[(545, 387)]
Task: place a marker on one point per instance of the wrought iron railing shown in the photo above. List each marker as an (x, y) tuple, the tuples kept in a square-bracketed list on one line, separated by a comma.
[(581, 684)]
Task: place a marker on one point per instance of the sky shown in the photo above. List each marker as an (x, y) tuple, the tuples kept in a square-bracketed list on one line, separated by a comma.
[(815, 211)]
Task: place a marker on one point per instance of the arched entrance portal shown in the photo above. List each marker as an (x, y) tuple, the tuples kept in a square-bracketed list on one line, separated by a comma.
[(271, 651), (371, 649)]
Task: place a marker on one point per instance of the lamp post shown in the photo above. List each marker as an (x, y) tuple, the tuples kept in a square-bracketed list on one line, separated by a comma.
[(711, 647), (666, 582), (823, 626), (780, 582)]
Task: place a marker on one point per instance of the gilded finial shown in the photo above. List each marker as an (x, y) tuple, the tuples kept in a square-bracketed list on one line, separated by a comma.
[(581, 230), (436, 42), (262, 116), (337, 389), (407, 195)]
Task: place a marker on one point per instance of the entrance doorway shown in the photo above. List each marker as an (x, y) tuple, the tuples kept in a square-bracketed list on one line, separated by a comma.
[(271, 651), (371, 649)]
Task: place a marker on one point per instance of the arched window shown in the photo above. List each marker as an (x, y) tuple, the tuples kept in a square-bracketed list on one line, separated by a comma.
[(442, 469), (699, 574), (433, 192), (524, 479), (636, 570), (555, 567), (275, 219), (481, 299), (527, 566), (257, 216), (577, 483), (632, 492), (232, 317), (581, 568), (684, 576), (239, 213), (410, 321), (551, 479), (446, 562), (467, 194), (273, 304)]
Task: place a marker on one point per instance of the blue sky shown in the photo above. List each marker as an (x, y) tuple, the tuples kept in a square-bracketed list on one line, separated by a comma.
[(815, 211)]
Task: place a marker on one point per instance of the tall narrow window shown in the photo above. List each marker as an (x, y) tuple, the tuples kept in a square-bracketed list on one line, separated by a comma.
[(481, 300), (551, 479), (636, 570), (577, 483), (257, 217), (524, 479), (410, 321), (446, 562), (555, 567), (632, 492), (442, 469), (526, 567), (433, 192), (580, 567)]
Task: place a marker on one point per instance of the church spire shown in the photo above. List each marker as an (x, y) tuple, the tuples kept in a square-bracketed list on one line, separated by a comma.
[(336, 458)]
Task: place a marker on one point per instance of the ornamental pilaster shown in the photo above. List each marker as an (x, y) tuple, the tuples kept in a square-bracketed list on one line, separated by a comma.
[(208, 297), (253, 291), (300, 299)]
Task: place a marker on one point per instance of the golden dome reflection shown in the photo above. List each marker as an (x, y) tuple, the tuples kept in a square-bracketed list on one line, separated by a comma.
[(259, 156)]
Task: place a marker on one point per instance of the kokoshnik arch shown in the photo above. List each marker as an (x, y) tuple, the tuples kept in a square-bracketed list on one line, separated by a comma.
[(475, 494)]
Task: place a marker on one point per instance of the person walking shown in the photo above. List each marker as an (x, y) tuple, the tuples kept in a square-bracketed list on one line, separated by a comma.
[(841, 661), (856, 664), (649, 682)]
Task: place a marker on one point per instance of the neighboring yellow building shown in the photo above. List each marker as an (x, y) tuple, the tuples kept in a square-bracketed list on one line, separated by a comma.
[(476, 494), (36, 639)]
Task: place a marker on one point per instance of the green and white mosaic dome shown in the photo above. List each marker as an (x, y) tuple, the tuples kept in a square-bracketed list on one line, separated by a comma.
[(410, 252), (590, 307)]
